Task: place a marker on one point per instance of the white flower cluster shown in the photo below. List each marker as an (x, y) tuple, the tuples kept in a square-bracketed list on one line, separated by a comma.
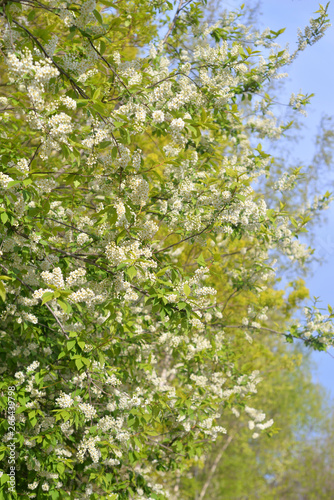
[(64, 400), (23, 165), (20, 377), (115, 254), (75, 277), (66, 428), (38, 72), (112, 461), (88, 410), (86, 13), (112, 380), (318, 325), (148, 230), (42, 71), (158, 116), (38, 294), (5, 180), (129, 253), (177, 125), (82, 295), (45, 185), (68, 102), (34, 365), (129, 69), (54, 278), (88, 443), (33, 486), (3, 101), (138, 190), (205, 290), (286, 182), (29, 317), (88, 74), (60, 126), (257, 417), (107, 423)]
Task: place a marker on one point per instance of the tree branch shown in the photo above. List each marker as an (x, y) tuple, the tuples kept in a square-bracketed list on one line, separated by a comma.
[(172, 26), (214, 467), (249, 327), (73, 83)]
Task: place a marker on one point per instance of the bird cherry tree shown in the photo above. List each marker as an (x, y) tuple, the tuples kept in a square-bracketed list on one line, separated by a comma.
[(131, 219)]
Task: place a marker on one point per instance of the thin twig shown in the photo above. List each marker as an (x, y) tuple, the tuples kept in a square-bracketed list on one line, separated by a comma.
[(110, 67), (34, 155), (250, 327), (67, 225), (172, 26)]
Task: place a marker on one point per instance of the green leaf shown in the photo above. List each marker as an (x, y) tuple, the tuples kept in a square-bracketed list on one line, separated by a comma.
[(65, 150), (98, 16), (131, 272), (201, 261), (231, 172), (63, 305), (4, 479), (162, 271), (4, 217), (294, 222), (13, 183), (81, 344), (79, 363), (70, 344), (2, 291), (96, 94), (47, 296), (186, 289), (102, 47)]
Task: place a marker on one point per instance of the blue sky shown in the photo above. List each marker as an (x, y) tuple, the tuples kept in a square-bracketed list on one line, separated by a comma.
[(312, 72)]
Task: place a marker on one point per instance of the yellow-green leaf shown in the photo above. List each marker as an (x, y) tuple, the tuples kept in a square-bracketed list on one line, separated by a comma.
[(47, 296)]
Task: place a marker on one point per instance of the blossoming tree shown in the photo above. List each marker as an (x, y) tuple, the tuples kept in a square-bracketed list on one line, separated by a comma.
[(130, 222)]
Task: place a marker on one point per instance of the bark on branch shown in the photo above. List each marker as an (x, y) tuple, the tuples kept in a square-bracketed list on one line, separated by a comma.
[(214, 467)]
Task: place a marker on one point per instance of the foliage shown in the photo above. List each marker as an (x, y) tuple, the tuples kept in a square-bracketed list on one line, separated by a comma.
[(136, 251), (241, 467)]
